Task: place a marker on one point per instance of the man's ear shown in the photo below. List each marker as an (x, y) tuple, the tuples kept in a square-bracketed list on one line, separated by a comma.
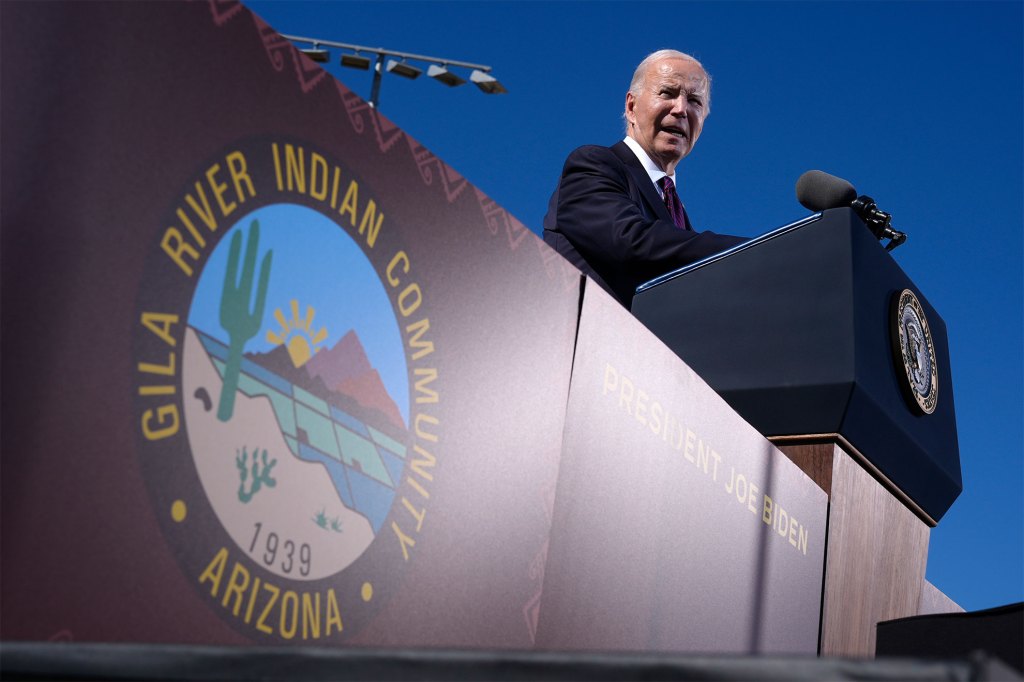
[(630, 105)]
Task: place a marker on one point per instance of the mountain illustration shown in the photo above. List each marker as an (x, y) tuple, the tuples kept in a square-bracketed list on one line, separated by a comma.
[(345, 360), (340, 375), (345, 369)]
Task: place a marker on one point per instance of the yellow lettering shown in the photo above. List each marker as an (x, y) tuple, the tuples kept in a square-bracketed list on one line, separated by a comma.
[(294, 168), (398, 258), (237, 583), (641, 406), (703, 455), (334, 187), (215, 570), (205, 213), (239, 173), (182, 252), (424, 347), (688, 451), (428, 394), (611, 379), (404, 540), (783, 517), (310, 616), (275, 592), (163, 370), (160, 324), (289, 604), (419, 465), (419, 488), (333, 614), (190, 227), (252, 600), (420, 431), (348, 205), (318, 172), (412, 510), (174, 246), (163, 414), (678, 429), (408, 309), (219, 189), (368, 222), (157, 390), (277, 167), (655, 423), (741, 481), (626, 396)]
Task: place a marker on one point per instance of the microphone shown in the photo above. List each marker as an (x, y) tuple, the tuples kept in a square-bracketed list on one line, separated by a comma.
[(820, 191)]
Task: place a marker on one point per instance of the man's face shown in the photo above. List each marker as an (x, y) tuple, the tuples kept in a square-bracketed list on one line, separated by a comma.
[(668, 113)]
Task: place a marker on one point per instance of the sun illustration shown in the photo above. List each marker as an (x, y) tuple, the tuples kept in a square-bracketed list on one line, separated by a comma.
[(297, 333)]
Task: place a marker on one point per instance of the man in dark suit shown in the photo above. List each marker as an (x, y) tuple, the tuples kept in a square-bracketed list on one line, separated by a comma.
[(614, 215)]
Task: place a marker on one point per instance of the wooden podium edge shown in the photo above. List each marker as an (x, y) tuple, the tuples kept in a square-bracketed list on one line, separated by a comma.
[(875, 558), (858, 456)]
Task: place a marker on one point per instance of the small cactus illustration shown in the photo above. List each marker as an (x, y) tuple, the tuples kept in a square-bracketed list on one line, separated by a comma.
[(236, 318), (260, 473), (327, 524)]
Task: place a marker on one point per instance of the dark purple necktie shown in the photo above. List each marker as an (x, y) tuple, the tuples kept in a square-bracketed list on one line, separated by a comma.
[(672, 203)]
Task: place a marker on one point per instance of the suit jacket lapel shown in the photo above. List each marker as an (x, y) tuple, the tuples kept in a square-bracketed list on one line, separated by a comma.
[(642, 180)]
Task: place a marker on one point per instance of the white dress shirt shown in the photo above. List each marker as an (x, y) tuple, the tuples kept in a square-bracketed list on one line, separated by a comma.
[(649, 165)]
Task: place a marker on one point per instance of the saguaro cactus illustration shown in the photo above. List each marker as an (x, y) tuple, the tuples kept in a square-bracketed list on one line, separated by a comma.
[(238, 321)]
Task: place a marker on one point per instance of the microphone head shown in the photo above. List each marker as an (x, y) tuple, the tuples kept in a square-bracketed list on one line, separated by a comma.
[(820, 191)]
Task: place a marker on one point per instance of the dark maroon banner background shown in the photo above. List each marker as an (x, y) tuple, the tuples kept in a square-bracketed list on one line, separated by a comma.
[(104, 133)]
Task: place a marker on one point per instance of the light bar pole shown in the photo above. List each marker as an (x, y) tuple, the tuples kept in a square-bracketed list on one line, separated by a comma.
[(481, 75), (375, 90)]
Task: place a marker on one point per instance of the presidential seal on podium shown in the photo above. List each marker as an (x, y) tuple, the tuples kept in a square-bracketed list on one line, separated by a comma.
[(915, 352)]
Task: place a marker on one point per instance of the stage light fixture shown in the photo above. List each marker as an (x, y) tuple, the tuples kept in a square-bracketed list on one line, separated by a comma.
[(445, 76), (486, 82), (355, 61), (402, 69), (379, 60), (316, 53)]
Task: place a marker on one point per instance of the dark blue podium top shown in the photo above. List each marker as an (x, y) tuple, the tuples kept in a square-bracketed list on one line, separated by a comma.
[(795, 330)]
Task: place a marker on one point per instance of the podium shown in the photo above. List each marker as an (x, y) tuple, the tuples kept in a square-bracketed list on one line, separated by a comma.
[(799, 330)]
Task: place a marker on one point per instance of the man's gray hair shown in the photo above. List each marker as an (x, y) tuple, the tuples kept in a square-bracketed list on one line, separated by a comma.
[(637, 83)]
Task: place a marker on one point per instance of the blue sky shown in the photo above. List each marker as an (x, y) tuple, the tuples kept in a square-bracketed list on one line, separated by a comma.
[(313, 267), (918, 104)]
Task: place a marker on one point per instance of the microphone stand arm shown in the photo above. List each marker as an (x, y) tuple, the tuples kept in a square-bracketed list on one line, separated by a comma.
[(878, 221)]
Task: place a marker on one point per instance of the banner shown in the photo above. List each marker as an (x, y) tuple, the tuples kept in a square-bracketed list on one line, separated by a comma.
[(248, 392), (677, 526), (275, 374)]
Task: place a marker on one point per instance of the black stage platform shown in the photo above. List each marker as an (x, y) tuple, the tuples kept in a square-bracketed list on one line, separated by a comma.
[(74, 661)]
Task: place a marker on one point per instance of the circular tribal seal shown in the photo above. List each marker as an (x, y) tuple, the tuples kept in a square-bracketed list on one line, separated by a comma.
[(288, 456), (915, 352)]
